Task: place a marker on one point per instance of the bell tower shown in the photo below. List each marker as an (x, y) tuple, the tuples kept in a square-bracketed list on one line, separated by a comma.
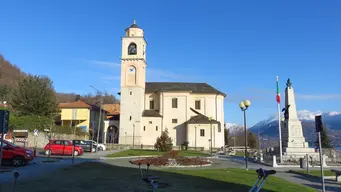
[(133, 81)]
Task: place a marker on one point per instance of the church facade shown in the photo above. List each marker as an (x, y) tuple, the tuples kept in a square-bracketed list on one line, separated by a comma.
[(191, 112)]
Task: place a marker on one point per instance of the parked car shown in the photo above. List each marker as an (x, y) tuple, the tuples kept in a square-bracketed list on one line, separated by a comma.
[(100, 146), (18, 156), (87, 145), (62, 147)]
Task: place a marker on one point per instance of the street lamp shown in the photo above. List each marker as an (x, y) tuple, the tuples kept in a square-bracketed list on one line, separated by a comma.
[(244, 105), (100, 113), (210, 119)]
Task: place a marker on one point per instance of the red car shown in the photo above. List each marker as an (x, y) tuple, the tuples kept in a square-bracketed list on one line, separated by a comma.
[(62, 147), (17, 155)]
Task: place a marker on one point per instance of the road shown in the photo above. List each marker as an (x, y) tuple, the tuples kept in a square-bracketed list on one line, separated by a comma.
[(38, 167)]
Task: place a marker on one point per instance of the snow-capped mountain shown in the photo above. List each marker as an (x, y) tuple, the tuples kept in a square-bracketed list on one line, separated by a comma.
[(332, 120)]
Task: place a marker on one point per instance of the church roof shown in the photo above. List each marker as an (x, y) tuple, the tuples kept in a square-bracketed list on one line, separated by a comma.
[(201, 119), (150, 113), (133, 26), (152, 87)]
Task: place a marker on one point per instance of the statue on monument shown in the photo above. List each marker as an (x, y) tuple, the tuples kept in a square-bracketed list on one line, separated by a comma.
[(289, 83), (286, 112)]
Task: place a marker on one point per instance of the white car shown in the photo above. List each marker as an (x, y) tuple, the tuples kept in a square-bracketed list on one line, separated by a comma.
[(100, 146)]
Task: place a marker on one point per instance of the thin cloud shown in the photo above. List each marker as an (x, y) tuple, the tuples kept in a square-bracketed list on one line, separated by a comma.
[(111, 78), (319, 96), (154, 73), (267, 92), (104, 63)]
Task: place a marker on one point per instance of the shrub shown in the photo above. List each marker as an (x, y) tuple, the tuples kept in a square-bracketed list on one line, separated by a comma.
[(155, 161), (164, 142), (184, 146), (192, 161)]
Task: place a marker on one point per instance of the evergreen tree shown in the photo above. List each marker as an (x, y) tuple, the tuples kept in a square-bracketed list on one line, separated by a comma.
[(34, 95), (226, 136), (325, 141), (164, 142), (251, 140)]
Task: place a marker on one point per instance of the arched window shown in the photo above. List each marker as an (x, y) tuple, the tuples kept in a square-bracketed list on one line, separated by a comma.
[(132, 49)]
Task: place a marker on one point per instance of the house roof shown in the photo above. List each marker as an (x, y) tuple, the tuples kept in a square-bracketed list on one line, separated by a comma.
[(113, 109), (79, 104), (75, 104), (204, 88), (150, 113)]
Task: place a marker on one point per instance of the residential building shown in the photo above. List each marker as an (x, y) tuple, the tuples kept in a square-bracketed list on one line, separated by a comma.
[(81, 114)]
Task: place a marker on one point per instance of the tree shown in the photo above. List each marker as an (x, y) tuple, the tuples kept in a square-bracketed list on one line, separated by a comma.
[(251, 140), (325, 141), (34, 95), (164, 142), (226, 136)]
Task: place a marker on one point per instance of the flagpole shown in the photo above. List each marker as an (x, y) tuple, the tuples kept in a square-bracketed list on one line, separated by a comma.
[(279, 121)]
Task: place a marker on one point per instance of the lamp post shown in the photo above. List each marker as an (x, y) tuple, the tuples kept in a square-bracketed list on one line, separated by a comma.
[(244, 105), (210, 118), (100, 113)]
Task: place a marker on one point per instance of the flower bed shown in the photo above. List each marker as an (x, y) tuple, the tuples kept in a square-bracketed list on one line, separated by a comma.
[(171, 159)]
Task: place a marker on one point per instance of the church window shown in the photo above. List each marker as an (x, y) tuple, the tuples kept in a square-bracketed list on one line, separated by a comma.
[(219, 128), (151, 104), (130, 92), (157, 128), (130, 118), (144, 128), (132, 49), (174, 120), (150, 122), (175, 103), (197, 104), (202, 132)]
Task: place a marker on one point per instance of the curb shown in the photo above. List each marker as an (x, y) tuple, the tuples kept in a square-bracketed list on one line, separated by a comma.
[(172, 166), (146, 156), (311, 176)]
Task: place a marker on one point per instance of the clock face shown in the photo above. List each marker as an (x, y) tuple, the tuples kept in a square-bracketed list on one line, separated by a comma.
[(131, 69)]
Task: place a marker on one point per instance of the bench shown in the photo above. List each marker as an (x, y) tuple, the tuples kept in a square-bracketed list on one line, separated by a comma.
[(337, 174)]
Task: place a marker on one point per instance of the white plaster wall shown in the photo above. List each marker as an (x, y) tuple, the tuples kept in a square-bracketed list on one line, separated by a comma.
[(150, 133), (155, 97), (194, 138), (131, 105), (177, 131)]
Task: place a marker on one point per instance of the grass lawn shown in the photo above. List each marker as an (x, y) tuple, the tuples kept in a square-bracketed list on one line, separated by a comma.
[(240, 153), (317, 173), (141, 152), (94, 176)]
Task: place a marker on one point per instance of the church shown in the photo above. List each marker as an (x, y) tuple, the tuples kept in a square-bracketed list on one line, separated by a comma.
[(191, 112)]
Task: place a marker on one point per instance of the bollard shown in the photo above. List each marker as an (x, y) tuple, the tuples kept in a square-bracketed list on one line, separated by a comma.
[(16, 176)]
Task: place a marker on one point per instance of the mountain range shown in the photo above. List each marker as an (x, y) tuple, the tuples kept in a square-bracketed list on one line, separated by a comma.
[(268, 128)]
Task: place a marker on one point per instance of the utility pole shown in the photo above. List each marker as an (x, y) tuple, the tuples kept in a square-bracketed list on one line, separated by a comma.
[(100, 112)]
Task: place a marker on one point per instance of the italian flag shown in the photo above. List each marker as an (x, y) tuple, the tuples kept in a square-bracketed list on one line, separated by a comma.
[(278, 96)]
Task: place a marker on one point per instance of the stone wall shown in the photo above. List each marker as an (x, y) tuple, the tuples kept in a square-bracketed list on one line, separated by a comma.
[(41, 140)]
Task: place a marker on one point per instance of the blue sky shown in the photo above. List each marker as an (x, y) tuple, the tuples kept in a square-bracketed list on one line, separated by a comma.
[(239, 47)]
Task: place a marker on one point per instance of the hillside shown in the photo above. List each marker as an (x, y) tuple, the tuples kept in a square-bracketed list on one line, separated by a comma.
[(268, 128), (10, 74)]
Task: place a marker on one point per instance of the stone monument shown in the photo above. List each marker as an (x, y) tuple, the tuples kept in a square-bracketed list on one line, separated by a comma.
[(293, 141)]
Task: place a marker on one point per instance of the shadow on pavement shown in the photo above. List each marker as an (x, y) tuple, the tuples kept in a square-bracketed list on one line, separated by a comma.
[(95, 176), (316, 183)]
